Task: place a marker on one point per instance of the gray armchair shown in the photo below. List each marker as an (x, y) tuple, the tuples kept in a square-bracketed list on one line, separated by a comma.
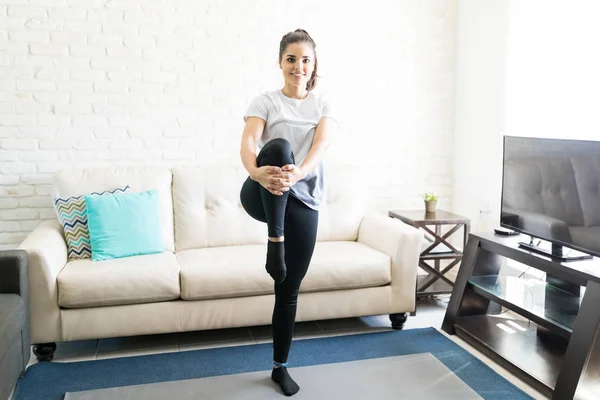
[(14, 319)]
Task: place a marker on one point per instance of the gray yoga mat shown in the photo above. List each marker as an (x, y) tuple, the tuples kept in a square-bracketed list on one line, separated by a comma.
[(415, 376)]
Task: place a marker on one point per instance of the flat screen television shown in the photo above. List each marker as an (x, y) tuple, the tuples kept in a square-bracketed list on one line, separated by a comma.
[(551, 192)]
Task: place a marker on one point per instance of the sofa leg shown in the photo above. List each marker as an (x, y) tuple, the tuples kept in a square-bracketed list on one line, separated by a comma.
[(398, 320), (44, 351)]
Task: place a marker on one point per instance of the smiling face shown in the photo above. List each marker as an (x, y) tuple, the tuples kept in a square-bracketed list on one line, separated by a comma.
[(297, 64)]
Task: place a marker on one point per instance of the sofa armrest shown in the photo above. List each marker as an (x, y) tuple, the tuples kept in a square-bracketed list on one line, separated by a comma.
[(13, 279), (47, 255), (402, 243), (13, 272)]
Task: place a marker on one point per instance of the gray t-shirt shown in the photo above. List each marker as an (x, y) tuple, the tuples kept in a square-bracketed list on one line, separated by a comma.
[(294, 120)]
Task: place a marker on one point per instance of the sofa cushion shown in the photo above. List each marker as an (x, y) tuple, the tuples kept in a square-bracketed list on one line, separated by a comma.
[(236, 271), (131, 280), (344, 203), (208, 211), (207, 208), (12, 320), (346, 265), (74, 182)]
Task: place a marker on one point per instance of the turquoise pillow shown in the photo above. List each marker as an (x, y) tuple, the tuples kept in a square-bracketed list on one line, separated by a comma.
[(123, 225)]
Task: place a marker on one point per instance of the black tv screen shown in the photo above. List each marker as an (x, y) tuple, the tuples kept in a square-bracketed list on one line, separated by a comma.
[(551, 190)]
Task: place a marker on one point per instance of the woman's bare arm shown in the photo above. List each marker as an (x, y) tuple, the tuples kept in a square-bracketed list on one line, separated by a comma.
[(252, 130)]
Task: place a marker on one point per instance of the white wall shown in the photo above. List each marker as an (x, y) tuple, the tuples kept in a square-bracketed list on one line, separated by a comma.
[(88, 82), (480, 104), (553, 69), (524, 68)]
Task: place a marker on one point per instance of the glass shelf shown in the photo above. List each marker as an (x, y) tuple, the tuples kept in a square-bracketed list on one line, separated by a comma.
[(544, 301), (523, 349)]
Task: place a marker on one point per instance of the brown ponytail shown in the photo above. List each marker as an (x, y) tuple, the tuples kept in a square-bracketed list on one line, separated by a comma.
[(300, 35)]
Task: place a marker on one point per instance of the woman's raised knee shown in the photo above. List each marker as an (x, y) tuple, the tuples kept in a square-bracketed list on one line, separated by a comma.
[(277, 152), (279, 145)]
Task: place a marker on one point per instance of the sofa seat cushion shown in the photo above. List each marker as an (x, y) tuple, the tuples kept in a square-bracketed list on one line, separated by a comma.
[(236, 271), (12, 320), (130, 280)]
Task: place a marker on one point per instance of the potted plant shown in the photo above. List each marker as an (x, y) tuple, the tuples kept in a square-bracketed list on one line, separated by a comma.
[(431, 199)]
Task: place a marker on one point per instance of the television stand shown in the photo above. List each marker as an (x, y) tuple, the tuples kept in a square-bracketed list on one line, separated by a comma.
[(551, 339), (556, 252)]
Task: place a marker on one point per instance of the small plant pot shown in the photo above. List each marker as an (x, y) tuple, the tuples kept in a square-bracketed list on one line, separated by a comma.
[(430, 206)]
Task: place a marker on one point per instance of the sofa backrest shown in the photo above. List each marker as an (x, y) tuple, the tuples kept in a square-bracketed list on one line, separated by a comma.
[(207, 208), (200, 205), (81, 181), (344, 203), (208, 211)]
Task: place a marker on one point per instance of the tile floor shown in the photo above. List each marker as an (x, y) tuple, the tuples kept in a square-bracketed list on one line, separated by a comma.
[(429, 313)]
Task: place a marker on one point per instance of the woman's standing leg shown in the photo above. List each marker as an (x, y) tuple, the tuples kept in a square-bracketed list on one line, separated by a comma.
[(267, 207), (285, 216), (301, 224)]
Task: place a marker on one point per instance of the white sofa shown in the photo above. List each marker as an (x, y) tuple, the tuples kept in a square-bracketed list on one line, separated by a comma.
[(212, 274)]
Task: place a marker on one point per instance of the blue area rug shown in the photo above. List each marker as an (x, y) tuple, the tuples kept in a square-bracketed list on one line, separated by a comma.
[(52, 380)]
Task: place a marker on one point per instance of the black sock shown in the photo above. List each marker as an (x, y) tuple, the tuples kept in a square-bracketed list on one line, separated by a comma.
[(288, 386), (276, 261)]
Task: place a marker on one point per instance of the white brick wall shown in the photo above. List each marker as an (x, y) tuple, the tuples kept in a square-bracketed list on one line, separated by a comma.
[(96, 82)]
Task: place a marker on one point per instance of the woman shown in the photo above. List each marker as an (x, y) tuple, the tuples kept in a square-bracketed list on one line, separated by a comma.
[(291, 126)]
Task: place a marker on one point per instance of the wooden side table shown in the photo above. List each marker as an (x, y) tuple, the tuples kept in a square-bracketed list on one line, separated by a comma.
[(435, 282)]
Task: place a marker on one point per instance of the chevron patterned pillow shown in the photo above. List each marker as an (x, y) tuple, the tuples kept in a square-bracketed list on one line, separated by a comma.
[(72, 215)]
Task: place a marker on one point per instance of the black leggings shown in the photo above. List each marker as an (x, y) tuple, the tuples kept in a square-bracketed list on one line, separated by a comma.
[(285, 216)]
